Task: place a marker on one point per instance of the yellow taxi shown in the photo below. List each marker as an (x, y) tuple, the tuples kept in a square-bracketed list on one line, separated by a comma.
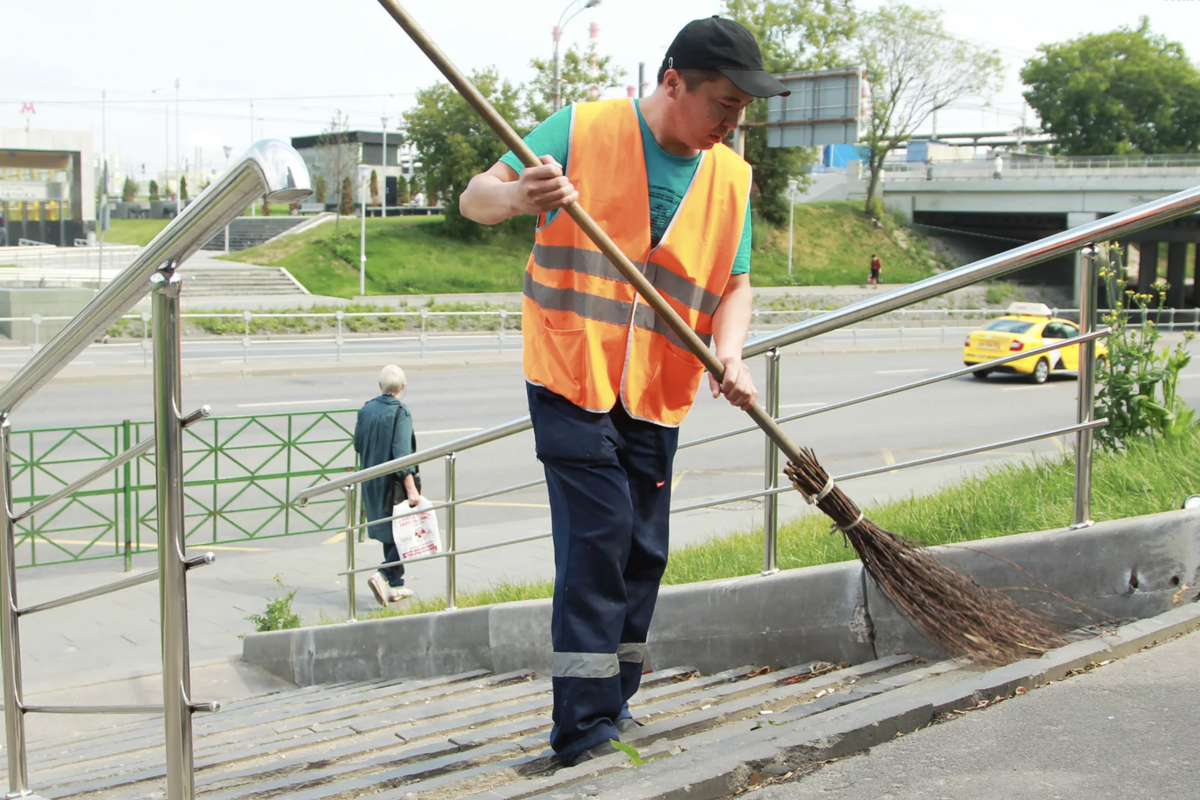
[(1024, 327)]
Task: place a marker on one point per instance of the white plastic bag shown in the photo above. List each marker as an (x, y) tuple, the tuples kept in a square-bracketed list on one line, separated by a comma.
[(416, 534)]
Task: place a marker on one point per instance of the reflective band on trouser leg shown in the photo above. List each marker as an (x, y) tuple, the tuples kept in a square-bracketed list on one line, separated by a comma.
[(586, 665), (632, 653)]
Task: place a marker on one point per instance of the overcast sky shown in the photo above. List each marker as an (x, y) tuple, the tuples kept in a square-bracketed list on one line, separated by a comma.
[(300, 60)]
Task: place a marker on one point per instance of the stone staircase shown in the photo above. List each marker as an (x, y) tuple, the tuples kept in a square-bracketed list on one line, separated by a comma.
[(215, 279), (469, 735), (484, 737), (250, 231)]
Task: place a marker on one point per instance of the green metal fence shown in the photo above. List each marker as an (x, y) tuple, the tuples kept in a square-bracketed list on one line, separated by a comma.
[(239, 475)]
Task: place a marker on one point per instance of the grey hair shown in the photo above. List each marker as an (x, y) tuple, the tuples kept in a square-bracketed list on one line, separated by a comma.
[(391, 379)]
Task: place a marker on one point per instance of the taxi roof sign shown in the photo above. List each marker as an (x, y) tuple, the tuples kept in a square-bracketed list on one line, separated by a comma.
[(1031, 310)]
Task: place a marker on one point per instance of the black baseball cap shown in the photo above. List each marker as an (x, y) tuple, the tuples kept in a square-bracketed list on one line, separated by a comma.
[(727, 47)]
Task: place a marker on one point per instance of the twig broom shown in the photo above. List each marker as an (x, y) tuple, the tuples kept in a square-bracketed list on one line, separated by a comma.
[(953, 610)]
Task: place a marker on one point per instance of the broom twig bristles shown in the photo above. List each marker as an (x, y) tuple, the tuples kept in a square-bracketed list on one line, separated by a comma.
[(963, 617)]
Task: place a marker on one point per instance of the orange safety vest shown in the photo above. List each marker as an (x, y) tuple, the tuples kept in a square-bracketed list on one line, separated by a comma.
[(588, 336)]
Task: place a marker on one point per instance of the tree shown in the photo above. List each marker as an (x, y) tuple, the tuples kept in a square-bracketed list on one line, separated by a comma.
[(454, 144), (266, 206), (129, 190), (401, 191), (913, 69), (579, 80), (336, 157), (346, 206), (154, 196), (795, 36), (321, 189), (374, 187), (1128, 91), (183, 195)]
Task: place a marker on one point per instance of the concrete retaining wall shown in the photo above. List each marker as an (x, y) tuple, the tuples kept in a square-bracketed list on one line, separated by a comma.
[(1121, 570)]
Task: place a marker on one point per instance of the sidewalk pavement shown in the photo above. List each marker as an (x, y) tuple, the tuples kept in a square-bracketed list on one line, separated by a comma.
[(1127, 729)]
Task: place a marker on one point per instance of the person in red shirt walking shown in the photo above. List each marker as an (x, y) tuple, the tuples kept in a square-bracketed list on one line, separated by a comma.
[(876, 267)]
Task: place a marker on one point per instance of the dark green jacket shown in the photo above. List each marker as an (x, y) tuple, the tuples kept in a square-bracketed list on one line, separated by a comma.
[(384, 431)]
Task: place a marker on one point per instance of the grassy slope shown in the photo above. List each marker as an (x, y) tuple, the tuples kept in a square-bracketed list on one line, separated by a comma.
[(1015, 498), (134, 231), (409, 255)]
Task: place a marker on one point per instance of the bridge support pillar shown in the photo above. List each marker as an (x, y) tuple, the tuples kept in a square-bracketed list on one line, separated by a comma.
[(1177, 274), (1148, 269), (1195, 298), (1074, 220)]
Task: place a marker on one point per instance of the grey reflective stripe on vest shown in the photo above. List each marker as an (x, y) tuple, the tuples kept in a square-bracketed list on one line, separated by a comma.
[(632, 653), (584, 665), (590, 262), (603, 309)]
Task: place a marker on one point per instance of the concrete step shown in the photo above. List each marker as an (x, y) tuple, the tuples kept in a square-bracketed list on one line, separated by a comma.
[(455, 734), (484, 737), (237, 281), (251, 231)]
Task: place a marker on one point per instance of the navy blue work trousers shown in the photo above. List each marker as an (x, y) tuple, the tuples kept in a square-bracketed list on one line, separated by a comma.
[(609, 480)]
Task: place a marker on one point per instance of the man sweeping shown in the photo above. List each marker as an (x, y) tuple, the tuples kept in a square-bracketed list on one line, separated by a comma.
[(608, 382)]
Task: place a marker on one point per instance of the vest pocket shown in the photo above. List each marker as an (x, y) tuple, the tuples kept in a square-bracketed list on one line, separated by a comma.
[(565, 357)]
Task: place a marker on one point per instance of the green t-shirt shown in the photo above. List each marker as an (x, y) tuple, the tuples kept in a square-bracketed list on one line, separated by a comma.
[(668, 175)]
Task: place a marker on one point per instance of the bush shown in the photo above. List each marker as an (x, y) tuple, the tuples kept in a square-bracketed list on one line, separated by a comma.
[(346, 204), (279, 615), (320, 189), (129, 191), (154, 196), (1138, 385)]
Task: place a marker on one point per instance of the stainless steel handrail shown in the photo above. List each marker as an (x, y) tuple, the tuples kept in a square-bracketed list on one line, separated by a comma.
[(395, 465), (1116, 226), (945, 376), (141, 448), (269, 168)]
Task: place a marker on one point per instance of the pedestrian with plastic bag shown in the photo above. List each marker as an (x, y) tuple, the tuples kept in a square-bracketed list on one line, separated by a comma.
[(382, 433)]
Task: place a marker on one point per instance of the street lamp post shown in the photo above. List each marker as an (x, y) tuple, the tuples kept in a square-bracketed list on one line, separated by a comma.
[(558, 29), (383, 205), (792, 185), (362, 240)]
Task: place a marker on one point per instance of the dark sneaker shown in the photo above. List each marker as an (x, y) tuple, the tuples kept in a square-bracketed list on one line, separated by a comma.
[(599, 751), (628, 725)]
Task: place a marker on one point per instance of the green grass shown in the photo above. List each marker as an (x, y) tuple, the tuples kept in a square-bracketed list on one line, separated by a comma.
[(1150, 477), (405, 255), (411, 255), (134, 231)]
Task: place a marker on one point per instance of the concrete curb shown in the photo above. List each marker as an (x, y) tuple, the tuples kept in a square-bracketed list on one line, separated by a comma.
[(709, 773), (1119, 570)]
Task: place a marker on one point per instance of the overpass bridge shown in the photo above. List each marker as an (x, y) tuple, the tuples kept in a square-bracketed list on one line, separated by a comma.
[(980, 208)]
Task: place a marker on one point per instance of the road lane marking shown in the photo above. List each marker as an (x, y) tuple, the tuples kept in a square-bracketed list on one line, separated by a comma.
[(295, 403), (901, 371), (678, 478), (889, 458), (337, 537)]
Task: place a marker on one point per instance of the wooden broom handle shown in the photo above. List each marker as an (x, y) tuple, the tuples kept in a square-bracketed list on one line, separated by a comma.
[(644, 288)]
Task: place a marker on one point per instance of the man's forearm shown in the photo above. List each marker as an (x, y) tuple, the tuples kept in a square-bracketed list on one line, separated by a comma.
[(488, 200), (731, 322)]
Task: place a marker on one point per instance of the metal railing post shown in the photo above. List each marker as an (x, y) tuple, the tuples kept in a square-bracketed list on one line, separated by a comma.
[(247, 316), (451, 544), (424, 316), (351, 598), (771, 469), (503, 315), (10, 633), (172, 571), (1087, 389)]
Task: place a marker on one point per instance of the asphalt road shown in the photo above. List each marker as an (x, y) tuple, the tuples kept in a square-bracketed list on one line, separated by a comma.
[(449, 402)]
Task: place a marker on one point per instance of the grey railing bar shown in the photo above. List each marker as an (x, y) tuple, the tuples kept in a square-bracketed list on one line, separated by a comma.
[(449, 553), (115, 586), (895, 467), (958, 373), (395, 465), (138, 449), (438, 506), (147, 709), (269, 168), (920, 462), (1114, 227)]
